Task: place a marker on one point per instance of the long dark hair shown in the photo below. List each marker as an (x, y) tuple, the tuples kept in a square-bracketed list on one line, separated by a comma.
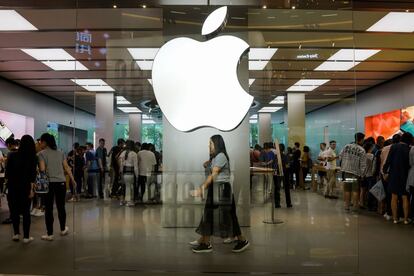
[(129, 146), (219, 146), (27, 150), (49, 139)]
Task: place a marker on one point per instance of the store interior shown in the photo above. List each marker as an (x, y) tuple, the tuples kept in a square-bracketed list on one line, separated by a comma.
[(318, 71)]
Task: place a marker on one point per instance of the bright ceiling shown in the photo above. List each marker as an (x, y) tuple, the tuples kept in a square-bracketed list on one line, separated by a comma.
[(310, 47)]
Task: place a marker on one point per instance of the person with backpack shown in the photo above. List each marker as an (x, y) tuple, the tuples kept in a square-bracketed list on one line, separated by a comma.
[(53, 163)]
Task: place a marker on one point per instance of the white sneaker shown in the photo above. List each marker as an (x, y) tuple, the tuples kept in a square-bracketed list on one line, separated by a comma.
[(387, 217), (408, 221), (29, 240), (47, 238), (229, 240), (194, 243), (65, 232), (16, 237)]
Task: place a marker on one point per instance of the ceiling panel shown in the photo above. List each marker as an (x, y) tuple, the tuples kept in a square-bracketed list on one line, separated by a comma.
[(305, 37)]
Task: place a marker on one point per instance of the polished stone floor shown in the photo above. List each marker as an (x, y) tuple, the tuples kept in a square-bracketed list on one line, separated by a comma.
[(316, 238)]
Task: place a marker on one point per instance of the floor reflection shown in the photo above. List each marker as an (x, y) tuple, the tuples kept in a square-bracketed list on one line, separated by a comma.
[(316, 236)]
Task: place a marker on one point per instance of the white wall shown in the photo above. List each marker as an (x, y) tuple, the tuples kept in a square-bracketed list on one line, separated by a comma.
[(346, 117), (20, 100)]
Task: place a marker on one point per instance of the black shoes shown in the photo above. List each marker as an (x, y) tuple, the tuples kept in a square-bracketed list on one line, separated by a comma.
[(241, 246), (207, 248), (203, 248)]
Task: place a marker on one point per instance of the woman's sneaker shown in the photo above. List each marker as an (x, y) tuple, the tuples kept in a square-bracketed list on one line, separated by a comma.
[(47, 238), (203, 248), (194, 243), (241, 246), (29, 240), (65, 232), (16, 238), (230, 240)]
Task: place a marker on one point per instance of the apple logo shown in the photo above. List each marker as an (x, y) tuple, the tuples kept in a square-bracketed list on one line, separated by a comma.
[(196, 84)]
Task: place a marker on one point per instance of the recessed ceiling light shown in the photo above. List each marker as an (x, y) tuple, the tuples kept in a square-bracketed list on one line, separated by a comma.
[(122, 100), (10, 20), (259, 57), (307, 85), (128, 109), (261, 53), (96, 85), (65, 65), (394, 22), (353, 54), (56, 58), (251, 81), (143, 53), (178, 12), (145, 64), (270, 109), (278, 100), (345, 59), (143, 56), (49, 54), (257, 64), (89, 82)]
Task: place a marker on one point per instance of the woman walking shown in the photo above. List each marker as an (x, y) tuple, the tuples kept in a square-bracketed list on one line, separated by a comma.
[(219, 218), (21, 175), (128, 165), (53, 163)]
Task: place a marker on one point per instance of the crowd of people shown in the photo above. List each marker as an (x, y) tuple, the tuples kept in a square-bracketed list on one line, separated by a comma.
[(362, 166), (291, 171), (83, 170), (129, 165), (366, 162)]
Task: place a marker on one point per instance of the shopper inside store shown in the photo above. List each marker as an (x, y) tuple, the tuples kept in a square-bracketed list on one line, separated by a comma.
[(194, 137)]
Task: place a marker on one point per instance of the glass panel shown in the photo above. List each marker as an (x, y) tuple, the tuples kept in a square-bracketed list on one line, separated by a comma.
[(319, 71)]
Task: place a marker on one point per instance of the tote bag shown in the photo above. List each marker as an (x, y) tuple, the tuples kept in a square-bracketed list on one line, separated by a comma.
[(42, 183), (378, 191)]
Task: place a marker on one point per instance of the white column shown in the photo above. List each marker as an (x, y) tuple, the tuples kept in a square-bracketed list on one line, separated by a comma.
[(265, 128), (104, 118), (135, 125), (296, 118)]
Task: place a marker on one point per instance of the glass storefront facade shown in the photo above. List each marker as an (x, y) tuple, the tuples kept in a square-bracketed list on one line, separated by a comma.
[(315, 63)]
